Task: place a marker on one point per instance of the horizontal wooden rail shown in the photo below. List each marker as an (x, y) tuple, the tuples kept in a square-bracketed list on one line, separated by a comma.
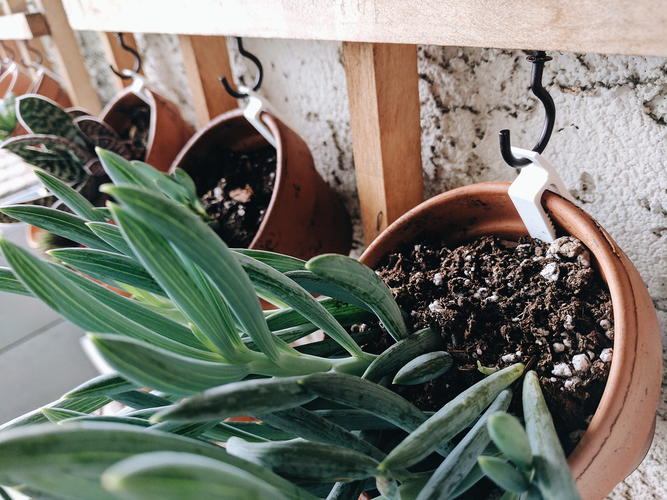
[(23, 26), (591, 26)]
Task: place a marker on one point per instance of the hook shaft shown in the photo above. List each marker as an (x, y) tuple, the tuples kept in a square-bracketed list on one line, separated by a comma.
[(258, 78), (541, 93), (8, 51), (137, 58), (34, 51)]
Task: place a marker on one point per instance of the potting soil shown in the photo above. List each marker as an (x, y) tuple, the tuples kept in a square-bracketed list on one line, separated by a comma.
[(136, 135), (236, 189), (499, 302)]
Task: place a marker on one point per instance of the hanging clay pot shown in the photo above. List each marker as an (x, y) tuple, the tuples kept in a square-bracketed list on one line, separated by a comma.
[(167, 130), (14, 80), (304, 217), (622, 428), (47, 86)]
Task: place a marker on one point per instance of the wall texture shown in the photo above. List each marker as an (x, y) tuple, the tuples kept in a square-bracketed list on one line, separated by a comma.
[(608, 143)]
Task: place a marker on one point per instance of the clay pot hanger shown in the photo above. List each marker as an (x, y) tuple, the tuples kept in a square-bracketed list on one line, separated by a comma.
[(622, 428), (168, 131), (304, 217), (14, 78)]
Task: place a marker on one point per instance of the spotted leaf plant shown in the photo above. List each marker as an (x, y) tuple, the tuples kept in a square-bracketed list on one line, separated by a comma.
[(191, 348)]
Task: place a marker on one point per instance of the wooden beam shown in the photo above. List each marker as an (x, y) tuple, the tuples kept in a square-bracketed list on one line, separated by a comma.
[(23, 26), (118, 57), (206, 59), (18, 7), (73, 70), (382, 89), (591, 26)]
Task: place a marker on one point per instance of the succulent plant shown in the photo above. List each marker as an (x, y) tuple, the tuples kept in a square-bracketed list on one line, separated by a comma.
[(194, 337), (62, 143), (7, 116)]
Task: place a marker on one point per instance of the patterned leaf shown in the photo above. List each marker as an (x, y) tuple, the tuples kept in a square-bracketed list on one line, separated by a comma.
[(40, 115), (100, 134)]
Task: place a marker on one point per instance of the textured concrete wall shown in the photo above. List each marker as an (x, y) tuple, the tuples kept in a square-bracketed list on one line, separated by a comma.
[(608, 144)]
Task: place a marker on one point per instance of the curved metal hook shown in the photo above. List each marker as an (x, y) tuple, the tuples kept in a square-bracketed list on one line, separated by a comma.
[(540, 92), (10, 53), (34, 51), (258, 78), (137, 58)]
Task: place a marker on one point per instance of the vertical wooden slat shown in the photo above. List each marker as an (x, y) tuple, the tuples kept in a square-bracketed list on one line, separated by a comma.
[(384, 111), (206, 59), (118, 57), (70, 61)]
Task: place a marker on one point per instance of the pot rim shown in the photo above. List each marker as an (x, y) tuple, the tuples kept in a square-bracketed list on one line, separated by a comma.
[(626, 377)]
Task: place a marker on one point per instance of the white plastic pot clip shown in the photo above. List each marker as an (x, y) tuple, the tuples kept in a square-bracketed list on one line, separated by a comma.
[(253, 110), (526, 193)]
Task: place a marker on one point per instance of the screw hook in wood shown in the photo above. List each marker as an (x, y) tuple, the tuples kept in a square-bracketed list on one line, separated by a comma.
[(32, 49), (137, 59), (258, 78)]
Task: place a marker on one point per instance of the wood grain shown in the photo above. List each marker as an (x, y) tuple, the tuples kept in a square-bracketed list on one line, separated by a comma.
[(22, 26), (68, 57), (384, 113), (592, 26), (18, 7), (206, 59)]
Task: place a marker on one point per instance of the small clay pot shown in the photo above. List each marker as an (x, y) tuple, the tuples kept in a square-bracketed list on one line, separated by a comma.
[(622, 428), (304, 217), (168, 131), (47, 86), (15, 79)]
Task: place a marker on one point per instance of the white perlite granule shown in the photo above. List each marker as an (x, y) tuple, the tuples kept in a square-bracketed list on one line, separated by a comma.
[(437, 279), (606, 355), (558, 347), (581, 363), (562, 370), (550, 272), (435, 306)]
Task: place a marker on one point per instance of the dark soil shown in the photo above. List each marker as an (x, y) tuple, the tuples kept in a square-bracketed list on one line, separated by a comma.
[(136, 136), (501, 302), (236, 189)]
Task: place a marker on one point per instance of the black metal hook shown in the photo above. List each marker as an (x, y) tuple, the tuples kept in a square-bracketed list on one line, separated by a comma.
[(137, 58), (10, 53), (540, 92), (258, 78), (34, 51)]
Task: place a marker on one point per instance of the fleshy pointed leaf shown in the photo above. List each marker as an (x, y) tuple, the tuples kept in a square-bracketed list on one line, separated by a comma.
[(174, 276), (83, 405), (345, 314), (318, 285), (503, 474), (424, 368), (73, 199), (56, 415), (58, 222), (110, 233), (177, 476), (511, 439), (200, 244), (103, 385), (121, 171), (11, 284), (279, 262), (159, 369), (108, 267), (362, 282)]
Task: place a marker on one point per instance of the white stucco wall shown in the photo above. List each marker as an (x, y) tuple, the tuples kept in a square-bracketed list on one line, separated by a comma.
[(608, 144)]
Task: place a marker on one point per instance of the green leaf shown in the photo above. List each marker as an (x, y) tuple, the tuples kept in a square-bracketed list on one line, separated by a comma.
[(110, 233), (511, 439), (176, 278), (11, 284), (52, 154), (73, 199), (345, 314), (458, 464), (58, 222), (61, 294), (8, 115), (250, 431), (178, 476), (142, 315), (274, 283), (160, 369), (279, 262), (189, 429), (552, 474), (83, 405), (503, 474), (424, 368), (140, 400), (451, 419), (121, 171), (304, 460), (108, 267), (313, 283), (364, 395), (328, 348), (200, 244), (400, 353), (103, 385), (239, 399), (56, 415), (186, 181), (362, 282), (40, 115)]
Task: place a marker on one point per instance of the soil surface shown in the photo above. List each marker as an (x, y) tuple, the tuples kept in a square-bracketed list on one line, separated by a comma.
[(136, 136), (500, 302), (236, 189)]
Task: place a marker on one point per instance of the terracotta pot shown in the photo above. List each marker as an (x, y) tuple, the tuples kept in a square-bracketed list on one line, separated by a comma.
[(15, 79), (622, 428), (304, 217), (45, 85), (168, 131)]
